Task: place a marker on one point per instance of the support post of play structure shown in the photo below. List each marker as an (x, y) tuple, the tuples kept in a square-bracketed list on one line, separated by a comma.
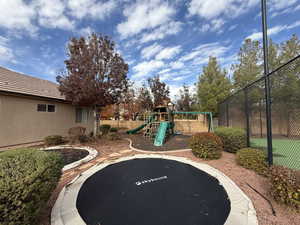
[(267, 82), (247, 117), (210, 126)]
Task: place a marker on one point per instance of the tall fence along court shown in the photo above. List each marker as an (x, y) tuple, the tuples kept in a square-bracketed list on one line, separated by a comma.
[(247, 109)]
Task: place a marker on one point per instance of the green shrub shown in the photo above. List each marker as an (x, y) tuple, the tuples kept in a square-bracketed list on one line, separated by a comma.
[(285, 186), (233, 138), (105, 128), (206, 145), (27, 179), (253, 159), (113, 136), (53, 140), (113, 129)]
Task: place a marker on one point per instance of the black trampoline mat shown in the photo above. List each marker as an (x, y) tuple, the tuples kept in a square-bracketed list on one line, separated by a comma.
[(152, 191)]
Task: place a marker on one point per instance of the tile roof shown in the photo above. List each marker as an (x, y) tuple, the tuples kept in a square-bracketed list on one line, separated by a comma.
[(15, 82)]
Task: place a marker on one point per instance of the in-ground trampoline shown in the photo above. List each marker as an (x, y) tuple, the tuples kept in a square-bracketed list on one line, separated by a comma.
[(149, 190)]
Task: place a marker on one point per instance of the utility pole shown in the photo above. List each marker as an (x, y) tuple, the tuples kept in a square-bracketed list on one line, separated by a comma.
[(267, 82)]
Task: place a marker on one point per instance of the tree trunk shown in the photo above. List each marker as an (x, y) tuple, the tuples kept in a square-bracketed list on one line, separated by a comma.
[(96, 122)]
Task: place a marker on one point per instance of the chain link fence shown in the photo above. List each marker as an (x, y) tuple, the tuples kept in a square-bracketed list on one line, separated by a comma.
[(247, 109)]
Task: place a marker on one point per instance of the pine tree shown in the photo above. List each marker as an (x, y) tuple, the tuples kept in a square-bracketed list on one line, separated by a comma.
[(290, 49), (274, 58), (213, 86), (286, 89), (249, 68)]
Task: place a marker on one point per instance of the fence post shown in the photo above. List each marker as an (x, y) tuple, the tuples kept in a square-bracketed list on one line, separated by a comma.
[(247, 117), (267, 82)]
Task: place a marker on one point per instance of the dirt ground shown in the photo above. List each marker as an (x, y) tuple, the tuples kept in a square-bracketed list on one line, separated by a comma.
[(115, 149)]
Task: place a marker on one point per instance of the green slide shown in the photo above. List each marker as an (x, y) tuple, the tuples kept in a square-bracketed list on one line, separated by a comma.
[(135, 130), (161, 133)]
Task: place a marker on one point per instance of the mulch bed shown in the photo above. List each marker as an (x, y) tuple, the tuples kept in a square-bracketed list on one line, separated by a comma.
[(174, 142), (70, 155)]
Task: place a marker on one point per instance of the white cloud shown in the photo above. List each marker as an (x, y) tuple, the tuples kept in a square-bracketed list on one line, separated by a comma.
[(274, 30), (91, 8), (17, 15), (146, 14), (86, 31), (176, 65), (180, 78), (281, 4), (150, 51), (144, 68), (6, 53), (174, 90), (164, 71), (214, 25), (201, 53), (162, 31), (214, 9), (232, 27), (51, 14), (293, 25), (168, 52), (297, 8), (165, 76)]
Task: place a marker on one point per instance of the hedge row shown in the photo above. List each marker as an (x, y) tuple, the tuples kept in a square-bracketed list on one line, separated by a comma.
[(27, 178)]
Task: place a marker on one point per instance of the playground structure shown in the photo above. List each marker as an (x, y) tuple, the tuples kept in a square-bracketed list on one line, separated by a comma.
[(159, 124)]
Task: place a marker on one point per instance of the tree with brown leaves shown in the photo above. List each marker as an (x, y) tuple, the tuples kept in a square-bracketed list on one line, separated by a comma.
[(96, 75), (159, 90)]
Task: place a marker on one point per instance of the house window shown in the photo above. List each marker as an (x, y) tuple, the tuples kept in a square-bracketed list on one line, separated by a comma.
[(45, 108), (81, 115), (41, 108), (51, 108)]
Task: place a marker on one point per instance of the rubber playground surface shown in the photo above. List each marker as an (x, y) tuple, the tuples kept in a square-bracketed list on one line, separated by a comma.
[(286, 152)]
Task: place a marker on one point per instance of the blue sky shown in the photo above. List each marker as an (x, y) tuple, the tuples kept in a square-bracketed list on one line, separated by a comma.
[(171, 38)]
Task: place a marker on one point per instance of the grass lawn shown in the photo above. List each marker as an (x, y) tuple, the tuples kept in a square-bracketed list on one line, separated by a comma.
[(285, 152)]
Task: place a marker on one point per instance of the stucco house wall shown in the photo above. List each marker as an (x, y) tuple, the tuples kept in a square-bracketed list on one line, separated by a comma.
[(20, 122)]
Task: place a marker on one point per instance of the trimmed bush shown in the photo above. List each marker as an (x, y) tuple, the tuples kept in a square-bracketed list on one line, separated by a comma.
[(104, 128), (113, 129), (285, 186), (253, 159), (27, 179), (233, 138), (53, 140), (206, 145)]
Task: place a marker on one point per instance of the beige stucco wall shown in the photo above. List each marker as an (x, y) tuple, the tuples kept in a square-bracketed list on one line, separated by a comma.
[(20, 122)]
